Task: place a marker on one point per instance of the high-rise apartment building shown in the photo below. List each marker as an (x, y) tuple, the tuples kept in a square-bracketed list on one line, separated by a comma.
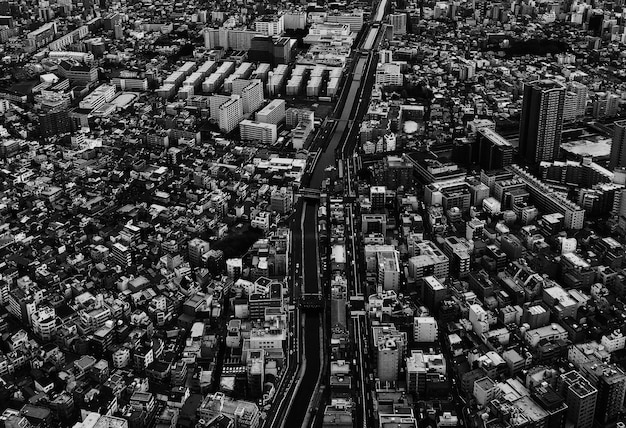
[(230, 113), (575, 104), (610, 381), (542, 120), (390, 345), (252, 96), (398, 22), (273, 113), (493, 151), (618, 146), (55, 122), (580, 397), (378, 197)]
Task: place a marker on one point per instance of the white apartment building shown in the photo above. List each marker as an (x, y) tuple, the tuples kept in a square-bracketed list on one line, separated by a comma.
[(270, 26), (398, 22), (273, 113), (121, 358), (44, 323), (229, 113), (257, 131), (425, 329), (252, 96)]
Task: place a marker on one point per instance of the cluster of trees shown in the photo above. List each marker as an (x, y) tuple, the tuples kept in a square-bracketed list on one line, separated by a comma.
[(538, 47), (236, 245)]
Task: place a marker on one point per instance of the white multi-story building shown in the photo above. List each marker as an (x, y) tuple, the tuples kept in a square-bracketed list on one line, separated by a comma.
[(102, 94), (484, 390), (215, 101), (301, 132), (270, 26), (44, 323), (121, 254), (295, 20), (267, 339), (588, 352), (121, 358), (550, 201), (273, 113), (92, 320), (550, 332), (229, 38), (398, 22), (261, 220), (614, 341), (390, 345), (575, 104), (385, 56), (282, 200), (230, 113), (294, 116), (388, 270), (429, 261), (252, 96), (389, 74), (419, 367), (257, 131), (425, 329), (478, 318), (353, 18), (234, 267)]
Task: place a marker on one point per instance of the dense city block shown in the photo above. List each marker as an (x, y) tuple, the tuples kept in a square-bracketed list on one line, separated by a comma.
[(386, 213)]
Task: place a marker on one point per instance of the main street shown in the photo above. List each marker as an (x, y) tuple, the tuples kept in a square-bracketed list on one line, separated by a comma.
[(299, 407), (334, 142)]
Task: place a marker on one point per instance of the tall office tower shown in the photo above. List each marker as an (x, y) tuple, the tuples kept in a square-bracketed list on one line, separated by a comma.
[(618, 147), (378, 197), (542, 120)]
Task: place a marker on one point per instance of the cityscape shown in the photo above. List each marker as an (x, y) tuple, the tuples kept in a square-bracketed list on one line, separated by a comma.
[(350, 214)]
